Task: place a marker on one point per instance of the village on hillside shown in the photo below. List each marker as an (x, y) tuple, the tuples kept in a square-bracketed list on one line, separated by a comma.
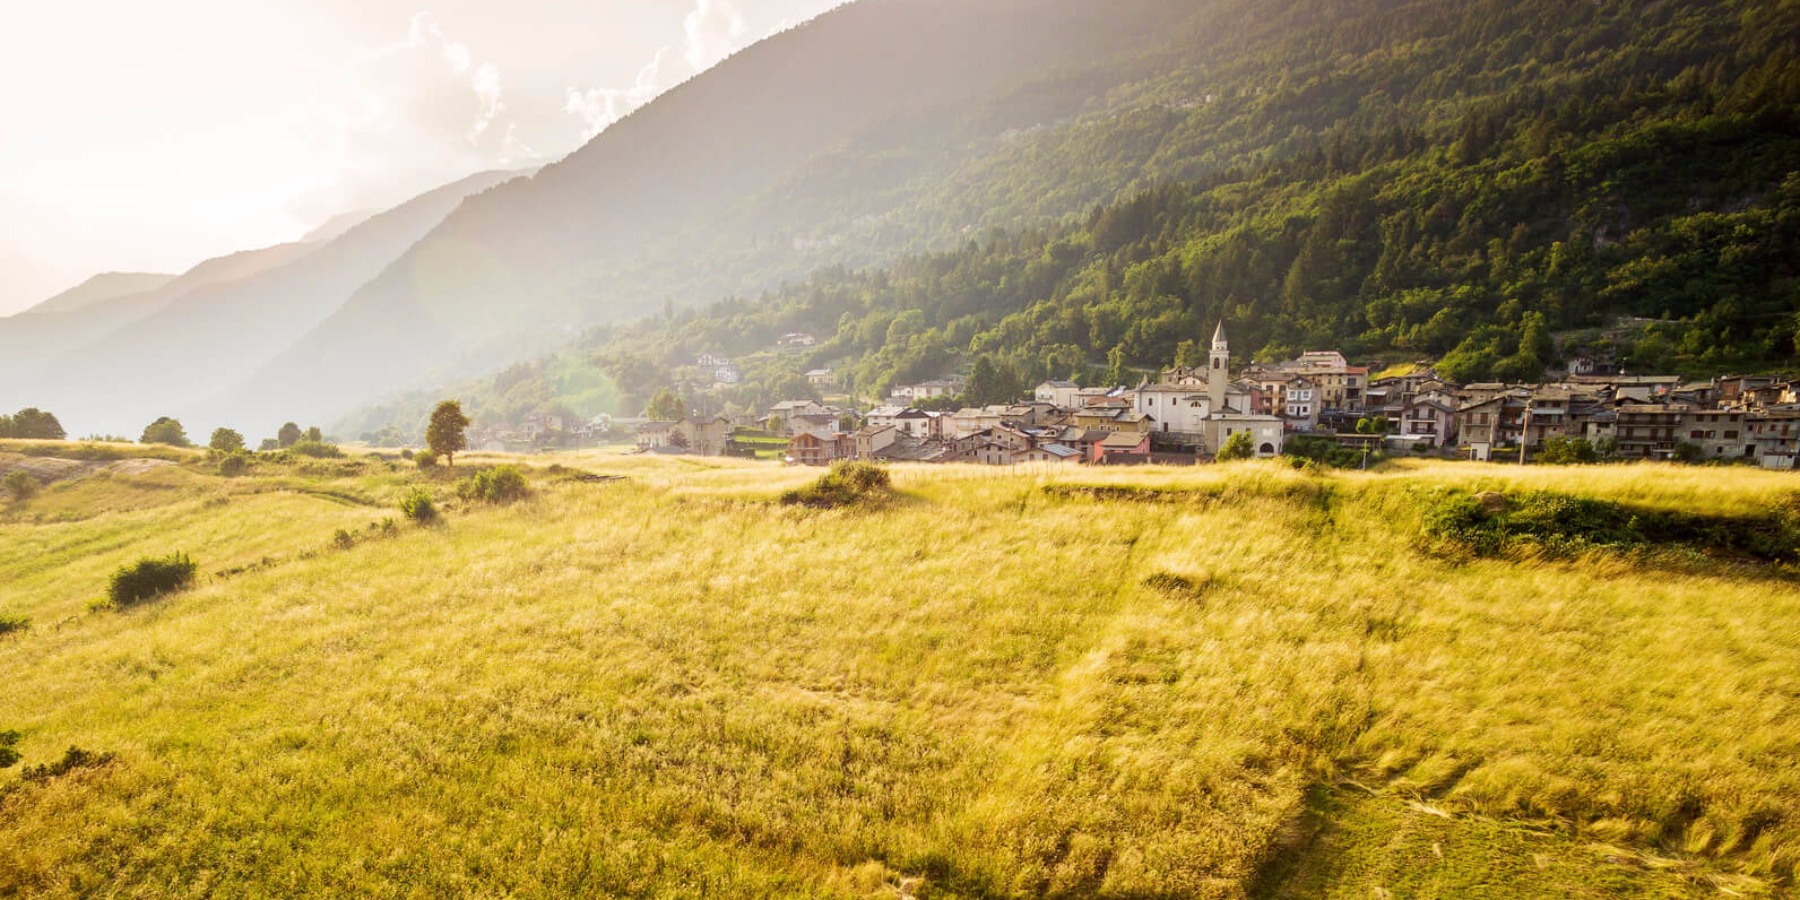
[(1319, 400)]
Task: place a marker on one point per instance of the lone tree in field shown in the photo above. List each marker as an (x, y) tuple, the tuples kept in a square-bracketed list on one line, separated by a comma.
[(445, 433), (314, 435), (165, 430), (225, 440), (288, 436)]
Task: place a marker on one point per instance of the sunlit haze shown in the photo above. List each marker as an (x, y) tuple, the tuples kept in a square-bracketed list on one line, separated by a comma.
[(150, 136)]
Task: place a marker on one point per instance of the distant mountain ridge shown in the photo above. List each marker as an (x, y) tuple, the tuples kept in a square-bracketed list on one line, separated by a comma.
[(29, 342), (179, 354), (101, 287)]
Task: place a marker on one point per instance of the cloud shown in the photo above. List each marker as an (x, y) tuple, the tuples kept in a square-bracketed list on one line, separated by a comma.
[(715, 29), (600, 107), (711, 31), (408, 117)]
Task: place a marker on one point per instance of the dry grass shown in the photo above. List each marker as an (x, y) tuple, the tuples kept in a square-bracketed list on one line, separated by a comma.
[(671, 686)]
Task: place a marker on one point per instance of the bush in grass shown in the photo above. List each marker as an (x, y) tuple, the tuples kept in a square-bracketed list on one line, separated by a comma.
[(426, 459), (149, 578), (419, 507), (234, 464), (72, 759), (10, 624), (316, 450), (406, 454), (847, 484), (8, 741), (20, 484), (502, 485)]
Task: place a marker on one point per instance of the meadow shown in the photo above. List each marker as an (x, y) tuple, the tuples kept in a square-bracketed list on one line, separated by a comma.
[(1234, 681)]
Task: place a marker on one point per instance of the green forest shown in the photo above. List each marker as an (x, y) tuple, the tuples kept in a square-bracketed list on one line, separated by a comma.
[(1466, 199)]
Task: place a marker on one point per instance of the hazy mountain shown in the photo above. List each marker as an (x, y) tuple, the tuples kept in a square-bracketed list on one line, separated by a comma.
[(170, 359), (28, 342), (634, 218), (334, 227), (104, 286), (25, 281)]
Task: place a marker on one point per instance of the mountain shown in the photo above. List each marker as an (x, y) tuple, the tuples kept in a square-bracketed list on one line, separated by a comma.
[(29, 342), (680, 200), (25, 281), (1456, 179), (101, 287), (334, 227), (173, 358)]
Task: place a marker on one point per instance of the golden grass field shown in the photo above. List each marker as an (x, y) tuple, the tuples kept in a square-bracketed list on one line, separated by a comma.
[(1265, 684)]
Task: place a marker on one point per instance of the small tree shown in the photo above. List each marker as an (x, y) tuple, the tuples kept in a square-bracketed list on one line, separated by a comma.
[(1238, 446), (20, 485), (417, 506), (31, 423), (165, 430), (315, 435), (666, 406), (225, 440), (288, 436), (445, 433)]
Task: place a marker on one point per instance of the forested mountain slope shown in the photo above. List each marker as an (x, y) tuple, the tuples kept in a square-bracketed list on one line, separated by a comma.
[(1663, 182), (640, 215), (1272, 116)]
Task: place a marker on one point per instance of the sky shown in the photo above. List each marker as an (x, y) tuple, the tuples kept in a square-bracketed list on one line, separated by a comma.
[(149, 136)]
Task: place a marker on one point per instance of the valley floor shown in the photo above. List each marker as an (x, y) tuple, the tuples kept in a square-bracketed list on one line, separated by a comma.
[(1238, 681)]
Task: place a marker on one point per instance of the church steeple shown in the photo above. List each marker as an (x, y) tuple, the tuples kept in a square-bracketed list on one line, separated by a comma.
[(1219, 372)]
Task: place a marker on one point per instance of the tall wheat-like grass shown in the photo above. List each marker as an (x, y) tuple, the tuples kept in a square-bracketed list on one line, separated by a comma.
[(1002, 684)]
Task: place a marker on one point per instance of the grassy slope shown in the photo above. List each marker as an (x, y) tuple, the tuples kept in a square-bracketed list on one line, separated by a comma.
[(666, 687)]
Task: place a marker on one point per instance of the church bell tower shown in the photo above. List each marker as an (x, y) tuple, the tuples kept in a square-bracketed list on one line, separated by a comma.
[(1218, 374)]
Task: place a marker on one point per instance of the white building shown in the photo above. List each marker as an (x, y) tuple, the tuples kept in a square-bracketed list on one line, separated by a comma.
[(1065, 394)]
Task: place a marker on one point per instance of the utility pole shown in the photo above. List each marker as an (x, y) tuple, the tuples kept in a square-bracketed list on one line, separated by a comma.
[(1524, 432)]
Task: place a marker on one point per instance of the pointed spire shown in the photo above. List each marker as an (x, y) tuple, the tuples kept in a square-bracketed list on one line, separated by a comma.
[(1219, 335)]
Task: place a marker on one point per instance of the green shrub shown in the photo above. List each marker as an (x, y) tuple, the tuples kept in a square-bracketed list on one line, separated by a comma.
[(418, 506), (10, 624), (72, 759), (20, 484), (1562, 524), (316, 450), (165, 430), (234, 464), (225, 440), (1238, 446), (406, 454), (502, 485), (9, 740), (847, 484), (426, 459), (149, 578)]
